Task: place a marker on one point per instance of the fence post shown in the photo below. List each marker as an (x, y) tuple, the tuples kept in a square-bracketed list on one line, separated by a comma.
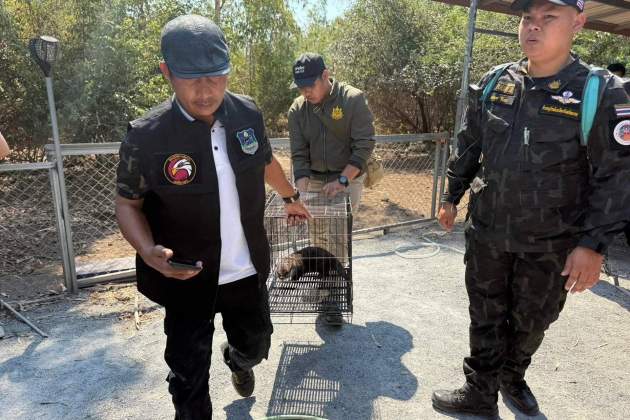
[(63, 199), (436, 174), (61, 231)]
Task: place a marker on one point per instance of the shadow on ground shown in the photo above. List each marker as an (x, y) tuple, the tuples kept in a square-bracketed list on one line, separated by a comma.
[(342, 378), (612, 293), (72, 374)]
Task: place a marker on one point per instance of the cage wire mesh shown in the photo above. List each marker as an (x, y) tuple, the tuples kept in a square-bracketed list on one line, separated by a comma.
[(311, 262), (30, 251), (99, 247), (405, 192)]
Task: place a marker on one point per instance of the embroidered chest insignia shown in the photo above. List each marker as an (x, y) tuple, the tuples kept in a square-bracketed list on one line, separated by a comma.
[(566, 98), (555, 85), (180, 169), (248, 141), (337, 113)]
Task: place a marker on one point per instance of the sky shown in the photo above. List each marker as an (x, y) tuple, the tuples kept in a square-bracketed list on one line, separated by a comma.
[(334, 8)]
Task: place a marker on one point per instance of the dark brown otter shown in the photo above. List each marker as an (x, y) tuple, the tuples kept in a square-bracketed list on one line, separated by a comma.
[(310, 260)]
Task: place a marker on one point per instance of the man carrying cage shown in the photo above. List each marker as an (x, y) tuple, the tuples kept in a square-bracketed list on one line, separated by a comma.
[(545, 150), (331, 130), (191, 195)]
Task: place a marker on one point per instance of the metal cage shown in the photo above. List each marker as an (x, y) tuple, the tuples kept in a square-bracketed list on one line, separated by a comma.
[(311, 262)]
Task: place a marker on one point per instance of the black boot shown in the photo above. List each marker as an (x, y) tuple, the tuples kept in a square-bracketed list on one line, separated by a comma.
[(242, 380), (520, 396), (464, 400)]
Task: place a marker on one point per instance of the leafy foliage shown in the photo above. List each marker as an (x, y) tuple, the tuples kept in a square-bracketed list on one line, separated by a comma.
[(405, 54)]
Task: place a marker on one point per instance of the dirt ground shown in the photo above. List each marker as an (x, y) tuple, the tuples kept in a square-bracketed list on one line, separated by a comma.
[(408, 335)]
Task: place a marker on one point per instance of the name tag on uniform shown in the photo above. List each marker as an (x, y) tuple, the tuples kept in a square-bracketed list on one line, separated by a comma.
[(498, 98), (560, 111)]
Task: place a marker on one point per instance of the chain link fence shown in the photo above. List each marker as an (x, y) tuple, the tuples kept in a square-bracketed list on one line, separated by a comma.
[(100, 250), (33, 247), (30, 247)]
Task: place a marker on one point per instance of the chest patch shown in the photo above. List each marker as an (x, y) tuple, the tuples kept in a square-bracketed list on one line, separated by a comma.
[(505, 88), (497, 98), (566, 98), (559, 110), (247, 140), (621, 133), (180, 169), (337, 113)]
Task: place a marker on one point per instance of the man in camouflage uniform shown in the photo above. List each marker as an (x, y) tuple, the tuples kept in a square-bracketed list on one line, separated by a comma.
[(543, 207)]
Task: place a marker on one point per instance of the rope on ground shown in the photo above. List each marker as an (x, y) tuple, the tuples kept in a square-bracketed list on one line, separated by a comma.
[(402, 250), (434, 247)]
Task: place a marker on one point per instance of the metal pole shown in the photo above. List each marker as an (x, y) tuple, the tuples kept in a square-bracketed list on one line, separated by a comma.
[(62, 189), (61, 231), (436, 174), (470, 39), (445, 152)]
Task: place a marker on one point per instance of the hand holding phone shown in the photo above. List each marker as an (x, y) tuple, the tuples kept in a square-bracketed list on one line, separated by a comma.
[(184, 264)]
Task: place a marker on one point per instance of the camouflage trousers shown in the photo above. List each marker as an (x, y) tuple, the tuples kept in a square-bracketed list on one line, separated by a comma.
[(514, 297)]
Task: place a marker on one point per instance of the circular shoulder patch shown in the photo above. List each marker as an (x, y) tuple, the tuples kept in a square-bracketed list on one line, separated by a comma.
[(622, 133), (180, 169)]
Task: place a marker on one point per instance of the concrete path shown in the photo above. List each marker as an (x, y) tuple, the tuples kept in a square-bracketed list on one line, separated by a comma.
[(408, 336)]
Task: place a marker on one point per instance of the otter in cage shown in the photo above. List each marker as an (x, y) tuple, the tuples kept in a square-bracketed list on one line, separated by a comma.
[(313, 260)]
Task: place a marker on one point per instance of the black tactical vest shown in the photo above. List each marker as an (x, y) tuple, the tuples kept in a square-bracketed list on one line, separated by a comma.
[(182, 203)]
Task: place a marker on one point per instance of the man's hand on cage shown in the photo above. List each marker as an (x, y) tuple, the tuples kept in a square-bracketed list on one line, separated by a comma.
[(297, 213), (333, 188), (157, 257), (447, 215), (302, 184)]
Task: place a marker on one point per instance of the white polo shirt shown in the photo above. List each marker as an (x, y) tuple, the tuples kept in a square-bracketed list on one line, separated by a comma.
[(236, 263)]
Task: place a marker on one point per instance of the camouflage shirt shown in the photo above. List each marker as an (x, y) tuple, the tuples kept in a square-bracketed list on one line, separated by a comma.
[(537, 188)]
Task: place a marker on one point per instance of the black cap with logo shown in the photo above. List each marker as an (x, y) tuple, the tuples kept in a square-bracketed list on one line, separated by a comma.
[(306, 69), (193, 46), (524, 4)]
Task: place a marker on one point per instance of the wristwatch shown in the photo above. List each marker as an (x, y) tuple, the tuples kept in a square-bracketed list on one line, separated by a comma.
[(343, 180), (292, 199)]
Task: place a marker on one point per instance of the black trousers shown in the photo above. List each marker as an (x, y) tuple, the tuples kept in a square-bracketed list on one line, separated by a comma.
[(514, 297), (244, 307)]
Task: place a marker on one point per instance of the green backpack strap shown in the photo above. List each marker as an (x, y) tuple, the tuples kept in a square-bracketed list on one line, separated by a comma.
[(593, 92), (487, 90)]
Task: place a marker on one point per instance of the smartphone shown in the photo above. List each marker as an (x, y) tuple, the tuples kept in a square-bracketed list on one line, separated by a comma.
[(183, 264)]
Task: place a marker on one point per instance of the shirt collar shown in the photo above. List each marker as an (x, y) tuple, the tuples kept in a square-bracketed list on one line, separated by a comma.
[(555, 83), (220, 112), (182, 110)]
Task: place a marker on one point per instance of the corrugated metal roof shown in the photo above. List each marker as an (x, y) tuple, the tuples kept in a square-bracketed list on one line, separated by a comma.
[(603, 15)]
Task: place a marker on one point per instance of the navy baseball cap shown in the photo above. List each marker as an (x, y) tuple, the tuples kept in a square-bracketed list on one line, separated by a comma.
[(306, 69), (524, 4), (193, 46)]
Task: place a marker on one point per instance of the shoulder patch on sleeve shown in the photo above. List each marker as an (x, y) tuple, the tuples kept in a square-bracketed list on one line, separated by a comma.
[(622, 110), (621, 132)]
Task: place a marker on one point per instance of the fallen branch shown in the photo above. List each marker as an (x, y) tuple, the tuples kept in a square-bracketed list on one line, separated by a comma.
[(23, 318)]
